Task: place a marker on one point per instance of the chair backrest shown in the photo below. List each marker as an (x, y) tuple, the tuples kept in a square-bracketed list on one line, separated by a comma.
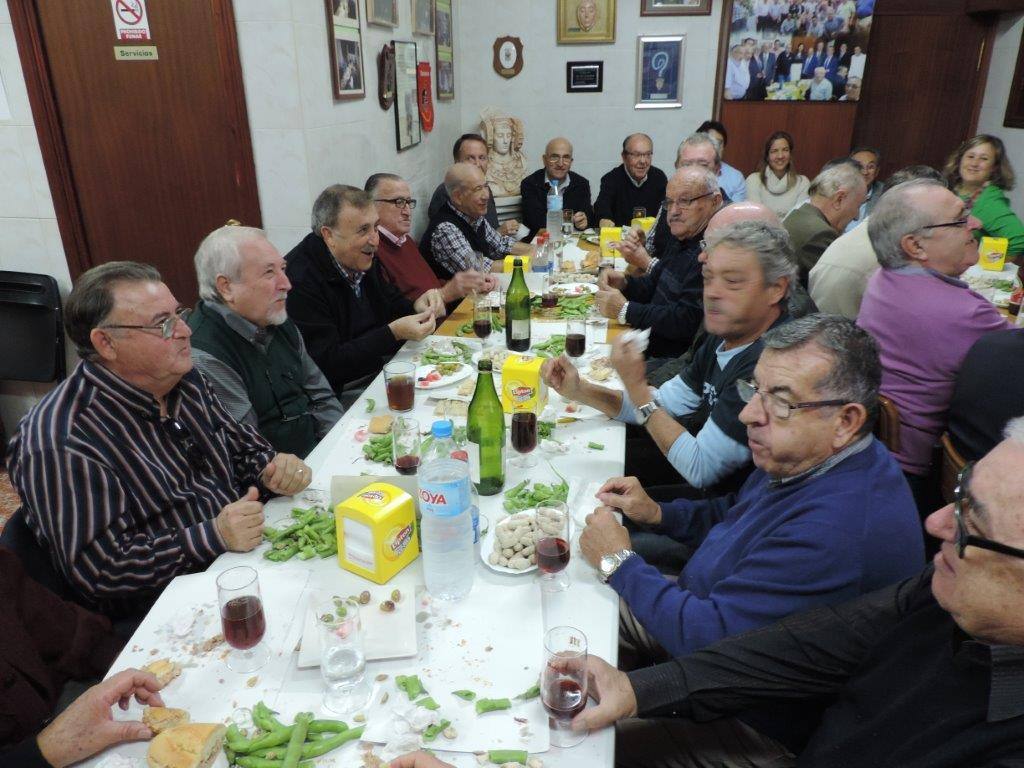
[(952, 463), (888, 427), (31, 316)]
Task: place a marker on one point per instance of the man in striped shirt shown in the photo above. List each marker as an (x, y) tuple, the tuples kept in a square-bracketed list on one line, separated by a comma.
[(131, 471)]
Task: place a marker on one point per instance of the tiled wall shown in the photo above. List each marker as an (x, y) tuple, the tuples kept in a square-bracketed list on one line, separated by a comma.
[(997, 92)]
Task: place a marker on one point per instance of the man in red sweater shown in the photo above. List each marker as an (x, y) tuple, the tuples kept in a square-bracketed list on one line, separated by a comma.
[(398, 253)]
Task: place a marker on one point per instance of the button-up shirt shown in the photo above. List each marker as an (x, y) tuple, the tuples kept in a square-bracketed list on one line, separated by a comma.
[(453, 251), (123, 505)]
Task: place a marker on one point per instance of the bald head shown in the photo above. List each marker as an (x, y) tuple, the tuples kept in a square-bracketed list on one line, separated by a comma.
[(467, 189), (557, 158), (737, 212)]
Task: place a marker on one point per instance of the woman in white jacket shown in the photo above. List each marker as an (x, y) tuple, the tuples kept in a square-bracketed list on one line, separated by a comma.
[(776, 183)]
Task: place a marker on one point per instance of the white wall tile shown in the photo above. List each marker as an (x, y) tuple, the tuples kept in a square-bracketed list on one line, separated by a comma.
[(16, 194), (14, 80), (28, 140), (281, 176), (286, 238), (264, 10), (270, 73)]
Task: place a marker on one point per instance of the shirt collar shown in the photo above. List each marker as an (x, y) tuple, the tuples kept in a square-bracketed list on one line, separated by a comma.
[(247, 330), (474, 223), (127, 394), (563, 185), (820, 469), (633, 181), (916, 269), (1006, 673), (399, 241)]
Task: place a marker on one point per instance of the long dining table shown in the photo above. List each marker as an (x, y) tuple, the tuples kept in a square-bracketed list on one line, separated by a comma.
[(491, 641)]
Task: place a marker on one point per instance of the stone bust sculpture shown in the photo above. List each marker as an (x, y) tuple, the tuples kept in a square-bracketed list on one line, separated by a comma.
[(505, 167)]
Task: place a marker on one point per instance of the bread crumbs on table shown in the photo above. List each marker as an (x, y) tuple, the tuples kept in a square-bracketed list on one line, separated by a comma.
[(251, 682)]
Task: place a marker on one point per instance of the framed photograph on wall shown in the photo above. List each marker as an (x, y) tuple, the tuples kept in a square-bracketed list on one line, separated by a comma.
[(407, 109), (810, 51), (423, 17), (444, 52), (584, 76), (346, 49), (382, 13), (659, 71), (675, 7), (586, 21)]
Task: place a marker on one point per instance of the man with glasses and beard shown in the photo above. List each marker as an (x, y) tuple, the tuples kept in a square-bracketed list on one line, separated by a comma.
[(250, 352), (130, 471)]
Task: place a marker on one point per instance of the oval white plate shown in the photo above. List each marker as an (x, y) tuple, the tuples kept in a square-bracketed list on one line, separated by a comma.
[(573, 289), (487, 546), (444, 381)]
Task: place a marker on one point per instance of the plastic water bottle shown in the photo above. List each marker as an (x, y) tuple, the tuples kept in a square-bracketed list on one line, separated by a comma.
[(542, 258), (554, 216), (446, 530), (443, 447)]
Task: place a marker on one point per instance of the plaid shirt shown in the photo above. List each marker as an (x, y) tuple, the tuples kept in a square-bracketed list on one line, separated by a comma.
[(452, 250)]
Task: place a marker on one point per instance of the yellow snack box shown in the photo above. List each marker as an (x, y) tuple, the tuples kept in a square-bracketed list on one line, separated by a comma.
[(992, 253), (510, 263), (644, 223), (609, 235), (376, 532), (521, 385)]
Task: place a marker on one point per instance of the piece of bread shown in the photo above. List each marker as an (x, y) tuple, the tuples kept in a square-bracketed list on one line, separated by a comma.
[(164, 670), (160, 719), (452, 408), (381, 425), (195, 745)]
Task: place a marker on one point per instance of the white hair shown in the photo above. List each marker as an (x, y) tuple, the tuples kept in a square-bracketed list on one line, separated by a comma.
[(842, 176), (1015, 430), (220, 254)]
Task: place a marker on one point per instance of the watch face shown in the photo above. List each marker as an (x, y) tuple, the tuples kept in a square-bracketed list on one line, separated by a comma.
[(607, 564)]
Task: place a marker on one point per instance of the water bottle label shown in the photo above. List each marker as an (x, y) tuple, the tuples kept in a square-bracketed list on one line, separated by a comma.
[(474, 462), (476, 525), (520, 329), (444, 499)]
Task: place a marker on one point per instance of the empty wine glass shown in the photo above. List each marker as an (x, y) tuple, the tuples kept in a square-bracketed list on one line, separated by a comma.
[(563, 683), (342, 658), (242, 618)]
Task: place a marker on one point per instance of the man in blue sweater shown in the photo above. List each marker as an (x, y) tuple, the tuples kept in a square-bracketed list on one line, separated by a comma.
[(825, 517)]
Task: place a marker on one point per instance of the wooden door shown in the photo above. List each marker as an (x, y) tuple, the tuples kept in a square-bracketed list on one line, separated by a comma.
[(144, 157)]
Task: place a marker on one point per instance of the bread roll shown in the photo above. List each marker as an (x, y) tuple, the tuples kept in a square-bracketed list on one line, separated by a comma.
[(195, 745), (164, 670), (160, 719)]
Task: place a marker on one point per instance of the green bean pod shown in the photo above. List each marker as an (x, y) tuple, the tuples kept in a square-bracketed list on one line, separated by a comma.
[(322, 747), (492, 705), (501, 756), (295, 744)]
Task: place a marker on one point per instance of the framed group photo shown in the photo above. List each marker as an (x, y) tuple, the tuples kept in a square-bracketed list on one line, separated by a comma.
[(423, 17), (407, 111), (346, 49), (675, 7), (444, 51), (659, 71), (586, 21)]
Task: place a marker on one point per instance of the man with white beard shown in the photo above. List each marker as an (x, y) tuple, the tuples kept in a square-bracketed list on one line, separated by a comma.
[(245, 345)]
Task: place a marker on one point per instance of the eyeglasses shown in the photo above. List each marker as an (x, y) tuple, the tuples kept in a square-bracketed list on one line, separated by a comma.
[(775, 405), (560, 158), (166, 327), (277, 401), (398, 202), (683, 202), (958, 223), (640, 155), (962, 506), (183, 436)]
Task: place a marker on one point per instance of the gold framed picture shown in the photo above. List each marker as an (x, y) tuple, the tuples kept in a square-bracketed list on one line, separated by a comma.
[(586, 21), (382, 13)]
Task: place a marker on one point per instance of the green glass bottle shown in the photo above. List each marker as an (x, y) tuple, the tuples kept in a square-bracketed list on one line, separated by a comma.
[(485, 431), (517, 311)]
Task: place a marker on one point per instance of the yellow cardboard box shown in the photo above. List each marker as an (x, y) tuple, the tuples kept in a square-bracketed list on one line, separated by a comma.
[(376, 532), (644, 223), (521, 385), (510, 263), (609, 235), (992, 253)]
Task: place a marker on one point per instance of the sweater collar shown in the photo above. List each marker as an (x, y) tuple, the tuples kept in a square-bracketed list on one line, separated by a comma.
[(820, 469), (399, 241), (916, 269), (633, 181), (249, 331)]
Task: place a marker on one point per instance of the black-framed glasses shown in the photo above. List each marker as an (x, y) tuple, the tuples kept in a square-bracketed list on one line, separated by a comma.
[(398, 202), (183, 436), (165, 327), (640, 155), (683, 202), (777, 406), (962, 505), (958, 223)]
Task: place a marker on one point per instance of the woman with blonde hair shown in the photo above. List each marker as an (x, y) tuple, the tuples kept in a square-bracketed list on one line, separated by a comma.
[(776, 184)]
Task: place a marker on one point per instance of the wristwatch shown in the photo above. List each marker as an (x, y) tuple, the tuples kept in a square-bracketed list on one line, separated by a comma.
[(609, 564), (622, 313), (646, 411)]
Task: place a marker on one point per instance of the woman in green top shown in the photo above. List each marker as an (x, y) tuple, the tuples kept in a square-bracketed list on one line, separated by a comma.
[(981, 174)]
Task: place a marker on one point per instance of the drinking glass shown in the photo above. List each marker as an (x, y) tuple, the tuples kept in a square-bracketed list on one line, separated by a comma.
[(563, 683), (524, 435), (241, 616), (399, 382), (548, 296), (552, 546), (567, 226), (405, 445), (639, 213), (482, 316), (342, 659), (575, 337)]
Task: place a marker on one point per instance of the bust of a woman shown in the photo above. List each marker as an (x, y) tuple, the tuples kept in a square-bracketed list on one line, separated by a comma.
[(505, 167)]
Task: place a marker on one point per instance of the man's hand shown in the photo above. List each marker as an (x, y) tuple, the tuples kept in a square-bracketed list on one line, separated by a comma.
[(464, 283), (628, 362), (606, 223), (86, 727), (286, 475), (602, 536), (632, 249), (610, 278), (579, 220), (562, 376), (613, 693), (509, 227), (240, 523), (413, 327), (419, 760), (626, 494), (609, 302), (431, 301)]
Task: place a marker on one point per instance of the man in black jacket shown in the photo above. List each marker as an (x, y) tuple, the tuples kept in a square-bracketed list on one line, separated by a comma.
[(634, 184), (574, 189), (351, 318)]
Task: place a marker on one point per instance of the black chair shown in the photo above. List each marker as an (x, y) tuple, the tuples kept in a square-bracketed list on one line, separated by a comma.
[(35, 558), (32, 342)]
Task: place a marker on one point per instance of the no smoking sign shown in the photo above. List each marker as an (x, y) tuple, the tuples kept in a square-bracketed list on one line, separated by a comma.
[(130, 19)]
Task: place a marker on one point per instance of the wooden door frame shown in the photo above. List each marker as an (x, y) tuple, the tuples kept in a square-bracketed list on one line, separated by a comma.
[(28, 35)]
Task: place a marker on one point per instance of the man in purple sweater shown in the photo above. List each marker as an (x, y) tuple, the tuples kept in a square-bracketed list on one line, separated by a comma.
[(825, 517), (922, 315)]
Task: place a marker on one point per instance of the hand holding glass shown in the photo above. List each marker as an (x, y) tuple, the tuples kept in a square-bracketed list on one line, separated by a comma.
[(563, 683)]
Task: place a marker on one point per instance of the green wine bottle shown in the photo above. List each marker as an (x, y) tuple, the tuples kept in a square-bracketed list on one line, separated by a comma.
[(485, 431), (517, 311)]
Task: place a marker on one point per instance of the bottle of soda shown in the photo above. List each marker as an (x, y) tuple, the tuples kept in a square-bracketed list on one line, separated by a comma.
[(517, 311), (485, 434)]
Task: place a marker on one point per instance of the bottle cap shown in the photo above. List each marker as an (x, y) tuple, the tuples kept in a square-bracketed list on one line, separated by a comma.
[(441, 428), (517, 262), (484, 364)]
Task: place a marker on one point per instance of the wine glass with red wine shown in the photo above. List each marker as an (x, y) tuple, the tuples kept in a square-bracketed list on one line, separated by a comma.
[(482, 316), (241, 616), (552, 547), (405, 445), (524, 436), (563, 683), (576, 337)]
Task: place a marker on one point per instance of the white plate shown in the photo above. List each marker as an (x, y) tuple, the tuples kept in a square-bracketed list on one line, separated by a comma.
[(487, 546), (593, 239), (497, 368), (444, 381), (385, 635), (438, 345), (573, 289)]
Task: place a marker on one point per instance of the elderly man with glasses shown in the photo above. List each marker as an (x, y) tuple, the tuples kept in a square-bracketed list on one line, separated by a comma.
[(130, 471), (634, 184), (400, 259), (924, 317), (826, 515), (573, 188), (250, 352)]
